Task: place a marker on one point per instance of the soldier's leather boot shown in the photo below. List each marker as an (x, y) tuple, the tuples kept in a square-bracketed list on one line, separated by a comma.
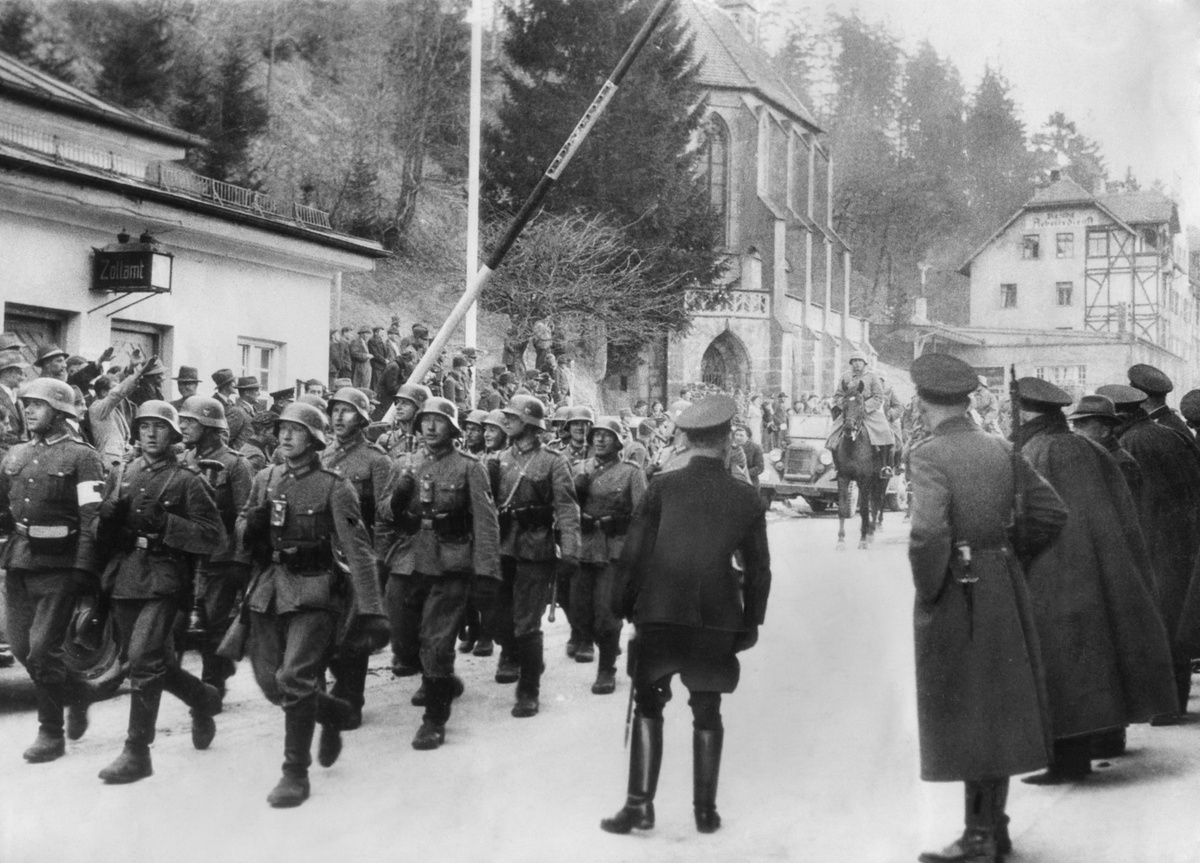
[(1000, 817), (332, 714), (77, 717), (49, 744), (134, 761), (1072, 763), (529, 655), (350, 684), (585, 652), (299, 723), (483, 647), (706, 769), (216, 670), (421, 697), (1108, 744), (606, 675), (645, 759), (204, 700), (978, 841), (432, 733), (508, 669)]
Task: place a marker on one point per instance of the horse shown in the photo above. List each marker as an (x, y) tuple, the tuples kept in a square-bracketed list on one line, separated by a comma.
[(859, 462)]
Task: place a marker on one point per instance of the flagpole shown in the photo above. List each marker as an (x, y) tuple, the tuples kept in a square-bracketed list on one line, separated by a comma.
[(472, 318)]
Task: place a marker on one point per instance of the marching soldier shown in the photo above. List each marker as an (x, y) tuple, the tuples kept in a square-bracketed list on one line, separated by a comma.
[(560, 437), (371, 473), (222, 578), (400, 439), (444, 507), (980, 693), (1105, 649), (473, 441), (315, 586), (49, 494), (579, 421), (609, 490), (494, 436), (536, 497), (156, 514), (693, 610)]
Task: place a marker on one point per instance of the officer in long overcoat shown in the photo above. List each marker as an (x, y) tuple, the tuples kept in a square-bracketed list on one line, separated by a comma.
[(1106, 651), (679, 582), (1156, 385), (1169, 513), (981, 701)]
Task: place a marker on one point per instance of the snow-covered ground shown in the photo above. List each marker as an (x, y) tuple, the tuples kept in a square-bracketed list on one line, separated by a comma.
[(820, 761)]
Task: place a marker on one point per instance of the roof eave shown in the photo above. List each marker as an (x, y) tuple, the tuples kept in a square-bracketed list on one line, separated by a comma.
[(128, 123), (133, 189)]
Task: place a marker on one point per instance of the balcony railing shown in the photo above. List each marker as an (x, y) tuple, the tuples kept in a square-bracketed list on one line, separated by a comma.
[(164, 176), (729, 304)]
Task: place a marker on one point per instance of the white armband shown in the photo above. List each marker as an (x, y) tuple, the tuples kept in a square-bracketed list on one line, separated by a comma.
[(88, 492)]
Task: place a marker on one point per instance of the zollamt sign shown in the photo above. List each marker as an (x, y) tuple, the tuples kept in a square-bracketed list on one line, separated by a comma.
[(132, 271)]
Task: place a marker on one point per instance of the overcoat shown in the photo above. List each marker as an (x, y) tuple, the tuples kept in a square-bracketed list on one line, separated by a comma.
[(981, 698), (1105, 647), (1168, 505), (874, 420)]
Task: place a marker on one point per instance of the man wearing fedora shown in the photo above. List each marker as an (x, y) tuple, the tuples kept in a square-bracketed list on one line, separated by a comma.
[(186, 384), (149, 386), (12, 420), (418, 341), (109, 413), (245, 406), (51, 362), (225, 379)]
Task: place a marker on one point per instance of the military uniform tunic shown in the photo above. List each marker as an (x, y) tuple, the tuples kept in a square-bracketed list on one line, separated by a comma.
[(50, 487)]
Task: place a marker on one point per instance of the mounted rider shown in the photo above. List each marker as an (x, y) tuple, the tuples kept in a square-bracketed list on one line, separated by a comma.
[(879, 432)]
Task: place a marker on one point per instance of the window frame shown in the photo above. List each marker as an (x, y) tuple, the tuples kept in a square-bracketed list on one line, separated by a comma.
[(1008, 291), (1031, 247), (1069, 287), (267, 375), (1069, 244)]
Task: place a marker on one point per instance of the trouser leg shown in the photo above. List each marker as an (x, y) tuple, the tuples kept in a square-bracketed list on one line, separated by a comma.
[(404, 614), (583, 615), (349, 669), (226, 581)]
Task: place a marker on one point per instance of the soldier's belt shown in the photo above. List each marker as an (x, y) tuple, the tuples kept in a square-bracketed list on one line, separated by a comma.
[(531, 516), (449, 526), (45, 531), (297, 558), (611, 525)]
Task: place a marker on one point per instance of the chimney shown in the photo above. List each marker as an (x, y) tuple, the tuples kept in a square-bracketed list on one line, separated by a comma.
[(745, 14), (1055, 175)]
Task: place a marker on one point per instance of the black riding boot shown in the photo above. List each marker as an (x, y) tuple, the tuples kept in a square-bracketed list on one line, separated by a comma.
[(49, 744), (706, 768), (1000, 817), (134, 762), (645, 759), (300, 721), (350, 683), (204, 699), (529, 656), (333, 714), (1072, 762), (978, 841)]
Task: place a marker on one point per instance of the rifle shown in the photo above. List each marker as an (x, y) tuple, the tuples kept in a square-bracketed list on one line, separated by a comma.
[(1014, 399), (632, 647)]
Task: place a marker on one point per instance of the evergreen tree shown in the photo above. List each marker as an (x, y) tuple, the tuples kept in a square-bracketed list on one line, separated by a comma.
[(1060, 143), (1001, 168), (638, 167), (36, 39), (137, 55)]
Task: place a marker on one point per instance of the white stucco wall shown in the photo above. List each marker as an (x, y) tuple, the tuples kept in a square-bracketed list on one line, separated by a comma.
[(230, 280)]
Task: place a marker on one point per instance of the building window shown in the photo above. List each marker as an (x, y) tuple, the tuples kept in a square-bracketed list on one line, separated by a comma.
[(716, 170), (1008, 296), (258, 359), (1064, 245), (1073, 379), (1149, 238), (1097, 243), (764, 152), (1030, 247), (1063, 289)]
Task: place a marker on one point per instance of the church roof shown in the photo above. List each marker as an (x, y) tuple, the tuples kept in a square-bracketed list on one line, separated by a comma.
[(728, 61)]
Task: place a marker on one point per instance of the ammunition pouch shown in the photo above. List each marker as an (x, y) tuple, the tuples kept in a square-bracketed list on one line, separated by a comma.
[(49, 538), (610, 525), (530, 517), (407, 523), (304, 557), (453, 525)]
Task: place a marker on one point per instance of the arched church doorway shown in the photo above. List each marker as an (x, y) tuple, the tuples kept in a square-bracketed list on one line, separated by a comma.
[(726, 364)]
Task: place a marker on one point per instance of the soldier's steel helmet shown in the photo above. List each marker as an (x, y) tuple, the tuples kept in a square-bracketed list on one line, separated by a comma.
[(608, 424), (438, 406), (58, 394), (208, 412), (580, 413), (495, 418), (560, 415), (476, 417), (158, 410), (309, 416), (418, 394), (859, 355), (528, 409), (357, 399)]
